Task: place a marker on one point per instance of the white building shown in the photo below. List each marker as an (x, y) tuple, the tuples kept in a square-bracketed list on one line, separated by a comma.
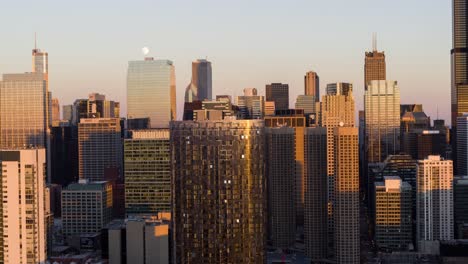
[(24, 206), (434, 200)]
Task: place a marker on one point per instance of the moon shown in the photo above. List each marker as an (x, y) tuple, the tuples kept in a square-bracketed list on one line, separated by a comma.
[(145, 50)]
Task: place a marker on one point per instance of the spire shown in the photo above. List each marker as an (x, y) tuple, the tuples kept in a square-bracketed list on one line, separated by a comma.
[(35, 40), (374, 41)]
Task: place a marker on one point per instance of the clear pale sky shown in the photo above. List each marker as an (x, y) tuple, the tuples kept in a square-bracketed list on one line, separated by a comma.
[(250, 43)]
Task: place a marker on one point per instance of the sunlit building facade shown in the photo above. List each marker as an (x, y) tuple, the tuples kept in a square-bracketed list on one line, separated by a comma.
[(219, 201), (200, 87), (374, 67), (312, 85), (459, 59), (151, 91)]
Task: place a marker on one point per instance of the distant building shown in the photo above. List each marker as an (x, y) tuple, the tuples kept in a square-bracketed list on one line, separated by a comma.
[(374, 67), (99, 146), (25, 207), (64, 154), (316, 193), (86, 207), (200, 87), (434, 200), (312, 85), (393, 221), (339, 88), (280, 174), (382, 107), (462, 145), (251, 105), (96, 106), (346, 195), (307, 103), (270, 108), (218, 109), (151, 91), (219, 202), (67, 112), (278, 93), (460, 206), (55, 110), (147, 164)]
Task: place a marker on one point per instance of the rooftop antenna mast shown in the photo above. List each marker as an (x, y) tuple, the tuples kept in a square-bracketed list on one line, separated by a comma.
[(35, 40), (374, 41)]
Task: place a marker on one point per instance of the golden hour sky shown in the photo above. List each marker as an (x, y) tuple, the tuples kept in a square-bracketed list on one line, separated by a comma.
[(250, 43)]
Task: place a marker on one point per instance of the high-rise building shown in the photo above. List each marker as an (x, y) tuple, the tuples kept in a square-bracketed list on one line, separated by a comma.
[(459, 59), (374, 66), (280, 174), (346, 195), (67, 112), (151, 91), (40, 61), (64, 154), (393, 221), (55, 110), (86, 207), (219, 192), (316, 193), (306, 103), (24, 114), (382, 107), (147, 172), (251, 105), (269, 108), (99, 147), (96, 106), (434, 200), (200, 87), (460, 206), (278, 93), (24, 206), (295, 119), (462, 145), (336, 109), (312, 85)]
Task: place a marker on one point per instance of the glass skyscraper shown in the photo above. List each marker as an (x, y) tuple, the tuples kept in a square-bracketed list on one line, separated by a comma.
[(151, 91), (459, 57), (200, 87)]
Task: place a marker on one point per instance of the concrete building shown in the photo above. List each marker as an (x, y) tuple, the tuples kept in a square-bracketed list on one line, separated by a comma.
[(278, 93), (147, 163), (393, 221), (434, 200), (200, 87), (280, 174), (251, 105), (312, 85), (86, 207), (346, 195), (219, 213), (24, 206), (382, 107), (316, 193), (151, 91), (99, 147)]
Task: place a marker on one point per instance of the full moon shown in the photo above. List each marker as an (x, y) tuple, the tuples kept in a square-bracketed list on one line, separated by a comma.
[(145, 50)]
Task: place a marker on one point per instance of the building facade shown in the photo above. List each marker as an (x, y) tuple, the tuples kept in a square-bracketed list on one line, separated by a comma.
[(24, 207), (278, 93), (312, 85), (219, 213), (251, 105), (382, 117), (147, 166), (99, 147), (151, 91), (462, 145), (306, 103), (459, 59), (374, 67), (280, 174), (200, 87), (434, 200)]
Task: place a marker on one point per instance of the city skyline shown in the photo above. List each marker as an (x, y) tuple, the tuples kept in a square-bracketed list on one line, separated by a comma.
[(268, 61)]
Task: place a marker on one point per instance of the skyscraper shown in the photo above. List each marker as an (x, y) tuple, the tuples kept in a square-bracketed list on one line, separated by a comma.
[(434, 200), (278, 93), (24, 206), (312, 85), (307, 103), (24, 110), (55, 110), (382, 107), (316, 198), (219, 199), (147, 172), (460, 202), (67, 111), (40, 62), (339, 88), (462, 145), (151, 91), (346, 195), (280, 144), (393, 221), (374, 66), (99, 146), (200, 87), (251, 105), (459, 59)]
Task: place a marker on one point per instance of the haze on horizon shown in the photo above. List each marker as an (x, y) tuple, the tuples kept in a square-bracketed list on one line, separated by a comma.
[(250, 44)]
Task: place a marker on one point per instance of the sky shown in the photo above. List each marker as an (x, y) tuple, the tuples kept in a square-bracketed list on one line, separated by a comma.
[(249, 42)]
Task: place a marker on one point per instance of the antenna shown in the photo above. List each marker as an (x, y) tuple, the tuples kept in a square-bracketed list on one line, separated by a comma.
[(374, 41), (35, 40), (437, 112)]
